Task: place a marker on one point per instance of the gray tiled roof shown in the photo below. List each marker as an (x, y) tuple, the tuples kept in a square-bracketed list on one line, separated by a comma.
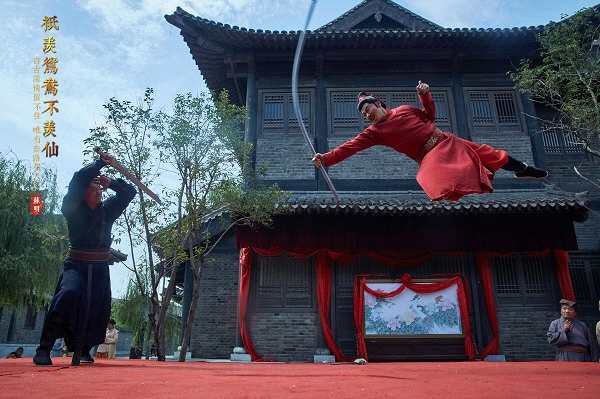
[(413, 202), (356, 8), (237, 36)]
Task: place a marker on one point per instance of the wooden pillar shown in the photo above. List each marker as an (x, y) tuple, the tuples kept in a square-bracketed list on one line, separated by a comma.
[(460, 106), (321, 144), (531, 123), (250, 128)]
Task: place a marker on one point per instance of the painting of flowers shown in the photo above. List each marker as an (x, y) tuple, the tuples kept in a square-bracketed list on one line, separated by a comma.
[(411, 313)]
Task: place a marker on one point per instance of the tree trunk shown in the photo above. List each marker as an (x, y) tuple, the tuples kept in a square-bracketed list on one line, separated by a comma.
[(196, 271), (162, 316)]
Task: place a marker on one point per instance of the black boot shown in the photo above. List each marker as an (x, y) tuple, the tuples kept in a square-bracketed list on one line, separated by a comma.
[(42, 357), (531, 172), (42, 353), (77, 348), (86, 357)]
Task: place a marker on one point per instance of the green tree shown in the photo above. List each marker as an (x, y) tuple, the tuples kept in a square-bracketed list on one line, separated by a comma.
[(203, 143), (128, 133), (32, 248), (566, 77)]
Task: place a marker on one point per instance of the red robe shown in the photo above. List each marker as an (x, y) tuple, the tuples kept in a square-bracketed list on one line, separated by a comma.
[(453, 168)]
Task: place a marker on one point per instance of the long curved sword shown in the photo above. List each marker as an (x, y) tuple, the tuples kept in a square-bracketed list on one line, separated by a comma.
[(296, 101)]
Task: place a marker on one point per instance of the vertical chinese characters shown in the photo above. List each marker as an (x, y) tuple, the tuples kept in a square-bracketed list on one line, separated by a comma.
[(50, 86), (45, 106)]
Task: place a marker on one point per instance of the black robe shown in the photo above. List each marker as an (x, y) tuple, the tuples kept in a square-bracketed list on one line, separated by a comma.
[(89, 229)]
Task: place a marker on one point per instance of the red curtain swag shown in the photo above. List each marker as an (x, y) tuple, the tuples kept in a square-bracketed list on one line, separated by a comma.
[(323, 277), (245, 269), (563, 274), (360, 287), (485, 272)]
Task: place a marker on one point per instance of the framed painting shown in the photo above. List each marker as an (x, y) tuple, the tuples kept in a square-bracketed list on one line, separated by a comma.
[(411, 314)]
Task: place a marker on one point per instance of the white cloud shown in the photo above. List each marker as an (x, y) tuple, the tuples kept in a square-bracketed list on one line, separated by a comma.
[(460, 13), (141, 27)]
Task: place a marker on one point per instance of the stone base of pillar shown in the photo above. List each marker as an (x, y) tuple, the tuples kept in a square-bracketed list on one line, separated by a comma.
[(239, 355), (495, 358), (322, 355)]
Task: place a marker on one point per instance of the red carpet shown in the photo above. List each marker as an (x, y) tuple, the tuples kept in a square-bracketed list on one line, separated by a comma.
[(129, 379)]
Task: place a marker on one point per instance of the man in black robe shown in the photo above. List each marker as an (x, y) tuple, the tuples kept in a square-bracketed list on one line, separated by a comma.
[(80, 308), (571, 337)]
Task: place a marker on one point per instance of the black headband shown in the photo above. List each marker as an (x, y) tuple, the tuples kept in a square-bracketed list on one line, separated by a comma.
[(366, 100)]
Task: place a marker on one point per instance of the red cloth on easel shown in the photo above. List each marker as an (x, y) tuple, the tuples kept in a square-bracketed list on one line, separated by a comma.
[(453, 168)]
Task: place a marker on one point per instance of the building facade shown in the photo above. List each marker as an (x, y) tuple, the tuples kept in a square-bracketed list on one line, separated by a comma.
[(386, 49)]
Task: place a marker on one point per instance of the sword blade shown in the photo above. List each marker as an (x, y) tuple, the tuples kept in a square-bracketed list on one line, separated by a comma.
[(127, 173)]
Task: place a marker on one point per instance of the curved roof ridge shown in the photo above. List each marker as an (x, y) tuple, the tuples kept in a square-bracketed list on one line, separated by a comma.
[(362, 4)]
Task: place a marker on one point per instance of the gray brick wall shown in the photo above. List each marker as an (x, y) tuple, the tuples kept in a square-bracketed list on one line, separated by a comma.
[(284, 156), (285, 336), (518, 146), (523, 332), (588, 232), (215, 326), (374, 163), (21, 334), (563, 177)]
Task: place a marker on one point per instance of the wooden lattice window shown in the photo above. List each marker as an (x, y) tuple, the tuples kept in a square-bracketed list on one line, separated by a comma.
[(585, 275), (344, 118), (535, 270), (269, 290), (493, 111), (521, 279), (277, 112), (507, 277), (557, 141), (282, 282)]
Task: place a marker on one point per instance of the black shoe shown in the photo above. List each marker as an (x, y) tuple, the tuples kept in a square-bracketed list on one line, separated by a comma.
[(532, 173), (42, 357), (86, 357), (76, 359)]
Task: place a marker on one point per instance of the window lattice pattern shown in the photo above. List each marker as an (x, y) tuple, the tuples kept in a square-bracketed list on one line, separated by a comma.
[(505, 107), (535, 271), (343, 110), (507, 279), (493, 110), (270, 290), (273, 111), (283, 282), (579, 279), (481, 108), (278, 112), (345, 117), (304, 101)]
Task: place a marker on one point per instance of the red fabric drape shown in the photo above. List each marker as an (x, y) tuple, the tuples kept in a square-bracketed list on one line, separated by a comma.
[(323, 276), (324, 301), (563, 274), (359, 320), (245, 268), (485, 273), (391, 258), (361, 286)]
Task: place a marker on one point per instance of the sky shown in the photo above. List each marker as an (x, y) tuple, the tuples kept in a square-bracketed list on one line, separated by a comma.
[(117, 48)]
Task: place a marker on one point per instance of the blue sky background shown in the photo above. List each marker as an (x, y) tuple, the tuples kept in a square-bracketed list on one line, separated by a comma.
[(118, 48)]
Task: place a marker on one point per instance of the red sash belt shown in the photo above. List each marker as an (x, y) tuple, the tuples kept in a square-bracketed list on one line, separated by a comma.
[(573, 348), (96, 255), (432, 141)]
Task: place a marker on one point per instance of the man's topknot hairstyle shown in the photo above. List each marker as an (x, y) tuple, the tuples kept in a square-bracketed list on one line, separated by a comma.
[(367, 98)]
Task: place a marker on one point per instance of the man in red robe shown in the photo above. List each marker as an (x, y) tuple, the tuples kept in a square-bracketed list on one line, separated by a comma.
[(449, 166)]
